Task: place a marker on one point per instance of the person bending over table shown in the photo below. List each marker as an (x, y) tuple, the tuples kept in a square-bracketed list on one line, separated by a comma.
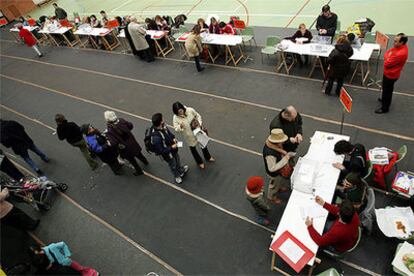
[(354, 189), (227, 29), (202, 24), (136, 37), (343, 234), (301, 36), (290, 121), (326, 22), (357, 158), (339, 64)]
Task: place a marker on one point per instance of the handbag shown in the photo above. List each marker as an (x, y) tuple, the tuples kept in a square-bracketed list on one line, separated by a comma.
[(287, 170)]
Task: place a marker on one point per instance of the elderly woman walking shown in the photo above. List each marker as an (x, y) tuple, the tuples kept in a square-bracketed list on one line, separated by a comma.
[(183, 118), (193, 46)]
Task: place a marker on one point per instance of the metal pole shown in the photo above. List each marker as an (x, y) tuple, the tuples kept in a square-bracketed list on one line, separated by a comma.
[(342, 121)]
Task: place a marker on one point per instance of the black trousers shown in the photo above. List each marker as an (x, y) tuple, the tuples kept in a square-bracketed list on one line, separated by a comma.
[(134, 162), (10, 169), (197, 63), (197, 156), (19, 219), (339, 81), (387, 89)]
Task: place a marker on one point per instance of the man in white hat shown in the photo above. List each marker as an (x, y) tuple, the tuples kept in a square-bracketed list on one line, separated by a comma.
[(275, 158)]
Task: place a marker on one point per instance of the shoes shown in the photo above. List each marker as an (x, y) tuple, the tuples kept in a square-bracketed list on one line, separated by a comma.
[(137, 173), (40, 172), (212, 159), (185, 168), (202, 166), (41, 55), (146, 163), (380, 111), (201, 69), (380, 100), (178, 180), (263, 221)]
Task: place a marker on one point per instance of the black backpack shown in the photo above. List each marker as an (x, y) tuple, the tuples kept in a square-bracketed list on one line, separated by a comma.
[(148, 139)]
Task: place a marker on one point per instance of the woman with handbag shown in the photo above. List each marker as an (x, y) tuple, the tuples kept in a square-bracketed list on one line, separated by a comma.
[(277, 163), (183, 119)]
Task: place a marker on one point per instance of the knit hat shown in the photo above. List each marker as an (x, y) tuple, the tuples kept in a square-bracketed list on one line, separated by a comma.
[(255, 184), (277, 136), (110, 116)]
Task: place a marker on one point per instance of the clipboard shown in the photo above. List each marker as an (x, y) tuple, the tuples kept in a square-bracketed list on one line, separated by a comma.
[(300, 264)]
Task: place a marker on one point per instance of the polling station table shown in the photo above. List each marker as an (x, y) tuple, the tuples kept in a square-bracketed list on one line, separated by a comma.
[(321, 153), (62, 32), (100, 33), (157, 36), (15, 33), (231, 43), (361, 56)]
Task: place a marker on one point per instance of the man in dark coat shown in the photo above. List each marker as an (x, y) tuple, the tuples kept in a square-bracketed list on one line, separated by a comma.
[(14, 136), (59, 12), (357, 159), (339, 63), (290, 121), (9, 168), (71, 132), (119, 135), (326, 22)]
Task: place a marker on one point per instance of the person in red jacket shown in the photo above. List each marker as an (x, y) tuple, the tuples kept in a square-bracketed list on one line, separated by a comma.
[(227, 29), (343, 234), (28, 39), (394, 61)]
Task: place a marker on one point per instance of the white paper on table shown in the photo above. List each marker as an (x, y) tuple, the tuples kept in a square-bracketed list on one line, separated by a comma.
[(387, 218), (398, 262), (312, 211), (378, 156), (292, 250)]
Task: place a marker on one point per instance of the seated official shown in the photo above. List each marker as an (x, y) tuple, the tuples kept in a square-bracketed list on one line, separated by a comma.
[(354, 40), (227, 29), (354, 189), (343, 234), (214, 27), (290, 121), (203, 25), (161, 23), (357, 158), (326, 22), (301, 33)]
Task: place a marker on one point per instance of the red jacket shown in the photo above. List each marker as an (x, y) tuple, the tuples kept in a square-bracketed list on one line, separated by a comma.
[(27, 37), (394, 61), (341, 236), (228, 30)]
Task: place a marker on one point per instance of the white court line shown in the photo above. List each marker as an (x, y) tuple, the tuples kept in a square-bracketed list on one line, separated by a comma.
[(240, 5), (124, 4), (224, 13)]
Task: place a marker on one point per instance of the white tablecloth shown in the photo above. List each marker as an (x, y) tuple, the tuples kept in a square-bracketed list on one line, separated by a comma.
[(31, 29), (216, 39), (152, 33), (93, 31), (321, 151), (60, 30)]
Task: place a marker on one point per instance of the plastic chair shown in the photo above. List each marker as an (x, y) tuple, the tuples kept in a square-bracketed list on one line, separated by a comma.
[(65, 23), (239, 24), (367, 217), (181, 30), (402, 152), (370, 167), (270, 48), (370, 37), (31, 22), (330, 272), (112, 24), (248, 35), (336, 255)]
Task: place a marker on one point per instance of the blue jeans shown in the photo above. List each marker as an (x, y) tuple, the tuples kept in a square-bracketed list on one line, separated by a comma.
[(29, 161), (175, 165)]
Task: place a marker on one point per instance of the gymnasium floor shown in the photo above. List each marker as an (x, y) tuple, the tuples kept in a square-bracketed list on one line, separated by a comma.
[(390, 16), (136, 225)]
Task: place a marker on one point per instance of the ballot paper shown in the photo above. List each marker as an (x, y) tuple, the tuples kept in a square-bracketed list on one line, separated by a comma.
[(404, 183), (303, 175), (292, 250), (395, 222), (202, 137), (301, 39), (379, 156), (312, 211)]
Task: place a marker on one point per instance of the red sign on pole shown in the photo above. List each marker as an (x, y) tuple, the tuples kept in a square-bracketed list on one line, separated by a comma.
[(346, 100)]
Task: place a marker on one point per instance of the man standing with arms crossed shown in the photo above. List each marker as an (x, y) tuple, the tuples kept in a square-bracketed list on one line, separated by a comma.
[(394, 61)]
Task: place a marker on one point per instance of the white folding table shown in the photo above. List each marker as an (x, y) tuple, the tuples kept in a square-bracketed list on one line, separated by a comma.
[(15, 33), (157, 36), (92, 33), (321, 151), (61, 31)]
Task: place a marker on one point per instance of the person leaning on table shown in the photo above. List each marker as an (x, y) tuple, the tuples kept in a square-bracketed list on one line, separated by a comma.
[(301, 36), (343, 234)]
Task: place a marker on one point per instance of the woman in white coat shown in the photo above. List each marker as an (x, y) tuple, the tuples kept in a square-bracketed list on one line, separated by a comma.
[(183, 116)]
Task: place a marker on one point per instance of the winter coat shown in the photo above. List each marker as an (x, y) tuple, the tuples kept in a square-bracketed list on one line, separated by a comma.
[(137, 34), (27, 37), (5, 206), (329, 24), (60, 13), (259, 203), (339, 60), (162, 140), (99, 145), (193, 45), (298, 34), (394, 61), (130, 42), (291, 129), (58, 252), (119, 135), (190, 115), (214, 29), (13, 136), (69, 131)]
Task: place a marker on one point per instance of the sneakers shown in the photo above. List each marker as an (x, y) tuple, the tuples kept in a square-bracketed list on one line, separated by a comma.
[(40, 172), (185, 168), (263, 221), (178, 180)]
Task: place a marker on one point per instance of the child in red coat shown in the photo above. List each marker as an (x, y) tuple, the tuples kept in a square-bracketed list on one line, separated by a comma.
[(28, 39)]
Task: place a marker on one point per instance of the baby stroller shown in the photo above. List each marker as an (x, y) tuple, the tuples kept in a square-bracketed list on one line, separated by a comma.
[(33, 190)]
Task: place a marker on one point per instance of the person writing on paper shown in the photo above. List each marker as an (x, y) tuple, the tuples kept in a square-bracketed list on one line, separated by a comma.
[(275, 158), (326, 22), (343, 234), (394, 61), (301, 36), (203, 25), (226, 29), (353, 188), (357, 159), (214, 27), (255, 195), (182, 120), (290, 121)]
